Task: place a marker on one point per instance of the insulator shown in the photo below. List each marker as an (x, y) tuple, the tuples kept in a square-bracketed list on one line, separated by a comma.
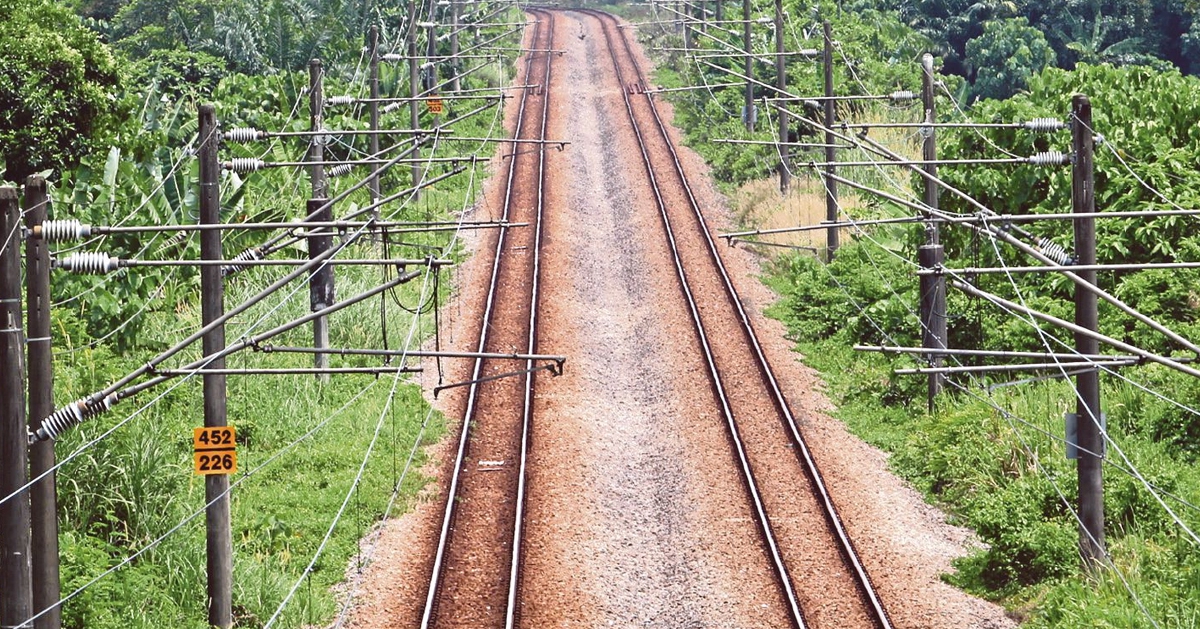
[(812, 104), (245, 164), (243, 134), (904, 96), (1054, 251), (340, 101), (89, 262), (1049, 158), (390, 107), (391, 56), (63, 231), (71, 415), (1045, 125), (809, 52), (341, 170), (175, 239), (235, 266)]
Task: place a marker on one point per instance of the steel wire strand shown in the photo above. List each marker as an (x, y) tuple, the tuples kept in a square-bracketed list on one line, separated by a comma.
[(1131, 469), (1105, 368), (154, 543), (343, 614), (358, 476), (178, 380), (1136, 473), (184, 155), (1041, 257), (1116, 152), (1111, 564), (864, 313), (990, 233), (964, 116), (1079, 398)]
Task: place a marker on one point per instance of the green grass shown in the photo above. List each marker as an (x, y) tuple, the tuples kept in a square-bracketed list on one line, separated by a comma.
[(121, 495)]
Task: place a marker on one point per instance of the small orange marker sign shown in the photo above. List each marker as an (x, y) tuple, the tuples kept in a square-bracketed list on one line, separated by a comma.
[(435, 106), (214, 450)]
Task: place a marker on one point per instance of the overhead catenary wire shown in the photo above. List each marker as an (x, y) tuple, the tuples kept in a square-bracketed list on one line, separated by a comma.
[(193, 372)]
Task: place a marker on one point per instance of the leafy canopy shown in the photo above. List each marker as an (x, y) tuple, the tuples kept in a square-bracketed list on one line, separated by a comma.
[(58, 88)]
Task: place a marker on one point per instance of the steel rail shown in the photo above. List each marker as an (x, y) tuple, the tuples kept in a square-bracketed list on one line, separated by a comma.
[(846, 546), (764, 525), (437, 574), (514, 579)]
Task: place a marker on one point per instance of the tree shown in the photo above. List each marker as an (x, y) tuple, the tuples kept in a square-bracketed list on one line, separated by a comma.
[(1004, 57), (58, 87)]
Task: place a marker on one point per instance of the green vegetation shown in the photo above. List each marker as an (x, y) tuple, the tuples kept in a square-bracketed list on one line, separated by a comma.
[(991, 453), (1155, 33), (102, 97)]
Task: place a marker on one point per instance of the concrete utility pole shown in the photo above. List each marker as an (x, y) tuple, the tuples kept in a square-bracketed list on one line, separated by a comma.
[(785, 176), (43, 495), (749, 65), (16, 579), (1088, 415), (455, 16), (316, 120), (931, 254), (831, 191), (212, 307), (320, 192), (431, 72), (373, 46), (414, 84), (687, 26)]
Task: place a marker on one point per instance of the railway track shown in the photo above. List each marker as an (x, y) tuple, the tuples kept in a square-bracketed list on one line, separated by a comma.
[(801, 530), (476, 568)]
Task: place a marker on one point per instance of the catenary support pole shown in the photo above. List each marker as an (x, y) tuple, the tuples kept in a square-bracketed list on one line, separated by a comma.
[(933, 315), (931, 255), (320, 192), (320, 282), (212, 307), (455, 17), (373, 110), (16, 588), (43, 497), (929, 146), (414, 88), (316, 118), (746, 48), (687, 27), (718, 11), (831, 191), (785, 175), (1088, 414), (431, 70)]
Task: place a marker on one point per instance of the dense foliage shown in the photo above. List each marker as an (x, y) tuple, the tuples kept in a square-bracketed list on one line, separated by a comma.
[(58, 88), (1156, 33)]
